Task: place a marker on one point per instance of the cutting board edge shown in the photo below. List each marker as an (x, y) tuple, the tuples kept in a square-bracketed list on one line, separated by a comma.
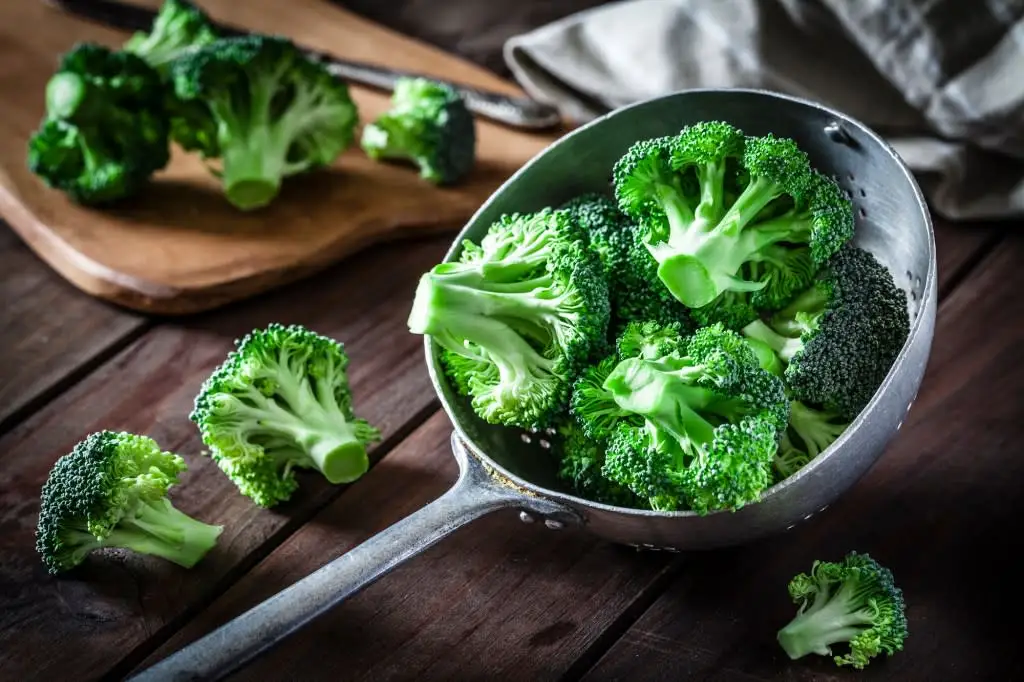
[(140, 295)]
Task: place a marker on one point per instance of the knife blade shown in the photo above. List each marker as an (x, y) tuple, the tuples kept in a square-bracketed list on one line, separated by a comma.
[(517, 112)]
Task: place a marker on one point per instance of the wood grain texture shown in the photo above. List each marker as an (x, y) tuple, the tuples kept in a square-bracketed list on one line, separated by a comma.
[(48, 331), (515, 602), (180, 247), (117, 602), (942, 509)]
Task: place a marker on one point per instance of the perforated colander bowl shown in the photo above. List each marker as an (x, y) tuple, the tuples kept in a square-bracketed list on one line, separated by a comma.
[(507, 468)]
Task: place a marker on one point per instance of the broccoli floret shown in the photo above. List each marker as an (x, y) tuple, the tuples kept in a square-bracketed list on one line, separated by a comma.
[(429, 125), (264, 109), (633, 286), (580, 463), (179, 26), (525, 308), (839, 338), (111, 491), (680, 191), (814, 429), (853, 602), (789, 459), (106, 129), (698, 427), (650, 340), (281, 401), (592, 404)]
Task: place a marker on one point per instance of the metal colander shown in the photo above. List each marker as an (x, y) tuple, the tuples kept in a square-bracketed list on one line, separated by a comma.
[(507, 468)]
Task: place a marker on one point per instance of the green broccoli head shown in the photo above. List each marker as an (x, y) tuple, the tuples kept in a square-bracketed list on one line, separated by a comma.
[(717, 210), (280, 401), (106, 128), (264, 109), (179, 26), (853, 602), (111, 491), (839, 338), (695, 428), (525, 308), (429, 125), (581, 459)]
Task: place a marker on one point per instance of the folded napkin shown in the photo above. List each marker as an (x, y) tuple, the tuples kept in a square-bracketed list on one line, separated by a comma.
[(942, 80)]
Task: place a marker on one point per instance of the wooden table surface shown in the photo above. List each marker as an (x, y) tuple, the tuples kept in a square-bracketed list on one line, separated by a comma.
[(498, 600)]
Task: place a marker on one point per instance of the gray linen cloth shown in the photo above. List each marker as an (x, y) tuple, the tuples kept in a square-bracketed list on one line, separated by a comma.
[(942, 80)]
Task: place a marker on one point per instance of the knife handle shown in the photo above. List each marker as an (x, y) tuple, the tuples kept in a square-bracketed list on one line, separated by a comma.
[(519, 112)]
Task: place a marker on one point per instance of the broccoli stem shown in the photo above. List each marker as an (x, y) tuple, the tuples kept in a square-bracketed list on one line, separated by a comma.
[(755, 196), (785, 347), (452, 311), (813, 427), (388, 138), (711, 177), (158, 528), (810, 303), (253, 168), (826, 622)]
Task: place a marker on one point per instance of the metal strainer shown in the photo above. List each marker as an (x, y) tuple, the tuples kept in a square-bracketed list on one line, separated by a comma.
[(504, 468)]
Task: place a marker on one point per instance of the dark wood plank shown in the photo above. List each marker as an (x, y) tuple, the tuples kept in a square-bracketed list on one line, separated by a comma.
[(496, 601), (48, 330), (106, 612), (942, 509)]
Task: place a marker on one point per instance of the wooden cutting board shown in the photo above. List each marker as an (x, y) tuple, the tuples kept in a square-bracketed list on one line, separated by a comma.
[(181, 248)]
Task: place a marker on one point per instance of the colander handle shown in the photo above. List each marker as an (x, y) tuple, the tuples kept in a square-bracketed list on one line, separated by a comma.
[(234, 644)]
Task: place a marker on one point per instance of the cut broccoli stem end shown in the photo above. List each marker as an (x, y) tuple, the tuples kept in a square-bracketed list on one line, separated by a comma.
[(160, 529), (253, 169), (339, 454), (67, 94), (386, 139)]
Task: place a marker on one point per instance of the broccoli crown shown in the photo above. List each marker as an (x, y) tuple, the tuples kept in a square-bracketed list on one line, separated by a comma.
[(580, 461), (839, 338), (264, 109), (525, 309), (106, 128), (853, 602), (280, 401), (178, 27), (111, 491), (428, 124), (718, 212), (695, 428), (608, 231)]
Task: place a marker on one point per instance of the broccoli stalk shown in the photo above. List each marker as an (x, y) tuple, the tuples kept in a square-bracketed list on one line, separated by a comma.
[(111, 491), (263, 109), (429, 125), (282, 401), (179, 26), (106, 127), (524, 310), (680, 190), (853, 602)]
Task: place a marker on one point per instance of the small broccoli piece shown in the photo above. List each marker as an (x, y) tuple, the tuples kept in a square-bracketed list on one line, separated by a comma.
[(526, 308), (280, 401), (701, 423), (264, 109), (681, 191), (633, 286), (592, 404), (105, 131), (853, 602), (179, 26), (839, 338), (580, 463), (429, 125), (111, 491), (650, 340)]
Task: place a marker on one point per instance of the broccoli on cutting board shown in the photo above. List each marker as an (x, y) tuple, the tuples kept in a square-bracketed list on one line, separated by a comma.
[(106, 127), (427, 125), (110, 491), (179, 26), (259, 111)]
